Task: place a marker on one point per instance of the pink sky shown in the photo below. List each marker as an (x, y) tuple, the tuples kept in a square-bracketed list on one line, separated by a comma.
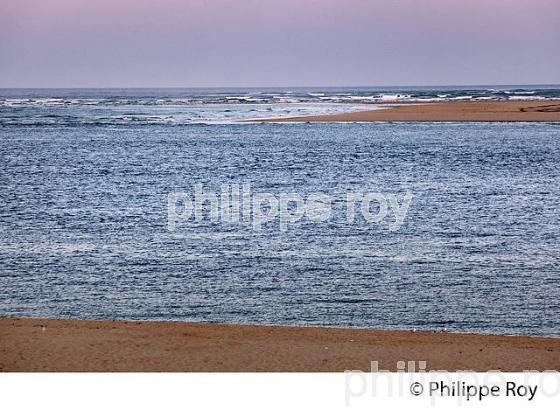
[(60, 43)]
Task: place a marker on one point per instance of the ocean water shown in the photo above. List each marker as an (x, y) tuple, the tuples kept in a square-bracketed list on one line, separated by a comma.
[(83, 215), (227, 105)]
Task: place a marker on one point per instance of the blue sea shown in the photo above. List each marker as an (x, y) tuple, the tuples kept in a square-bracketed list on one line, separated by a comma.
[(84, 210)]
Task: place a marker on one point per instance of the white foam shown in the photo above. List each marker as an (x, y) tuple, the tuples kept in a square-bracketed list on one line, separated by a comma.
[(525, 97), (394, 97)]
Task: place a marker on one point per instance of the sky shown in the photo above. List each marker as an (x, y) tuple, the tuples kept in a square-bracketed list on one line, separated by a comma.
[(253, 43)]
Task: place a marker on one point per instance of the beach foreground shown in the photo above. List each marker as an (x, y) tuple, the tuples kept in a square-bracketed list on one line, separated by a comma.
[(101, 346), (472, 111)]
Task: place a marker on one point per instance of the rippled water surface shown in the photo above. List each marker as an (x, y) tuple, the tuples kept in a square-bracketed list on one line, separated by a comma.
[(83, 221)]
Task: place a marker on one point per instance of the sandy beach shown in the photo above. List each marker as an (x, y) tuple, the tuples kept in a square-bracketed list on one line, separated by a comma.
[(475, 111), (101, 346)]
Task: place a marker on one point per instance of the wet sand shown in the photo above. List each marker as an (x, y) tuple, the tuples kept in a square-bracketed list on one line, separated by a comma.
[(106, 346), (475, 111)]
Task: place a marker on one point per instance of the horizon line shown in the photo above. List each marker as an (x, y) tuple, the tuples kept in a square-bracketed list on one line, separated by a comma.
[(283, 86)]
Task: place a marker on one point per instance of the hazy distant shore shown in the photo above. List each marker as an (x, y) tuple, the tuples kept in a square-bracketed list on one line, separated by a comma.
[(76, 345), (472, 111)]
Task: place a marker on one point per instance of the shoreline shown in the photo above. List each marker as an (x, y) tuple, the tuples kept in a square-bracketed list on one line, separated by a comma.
[(449, 111), (118, 346)]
